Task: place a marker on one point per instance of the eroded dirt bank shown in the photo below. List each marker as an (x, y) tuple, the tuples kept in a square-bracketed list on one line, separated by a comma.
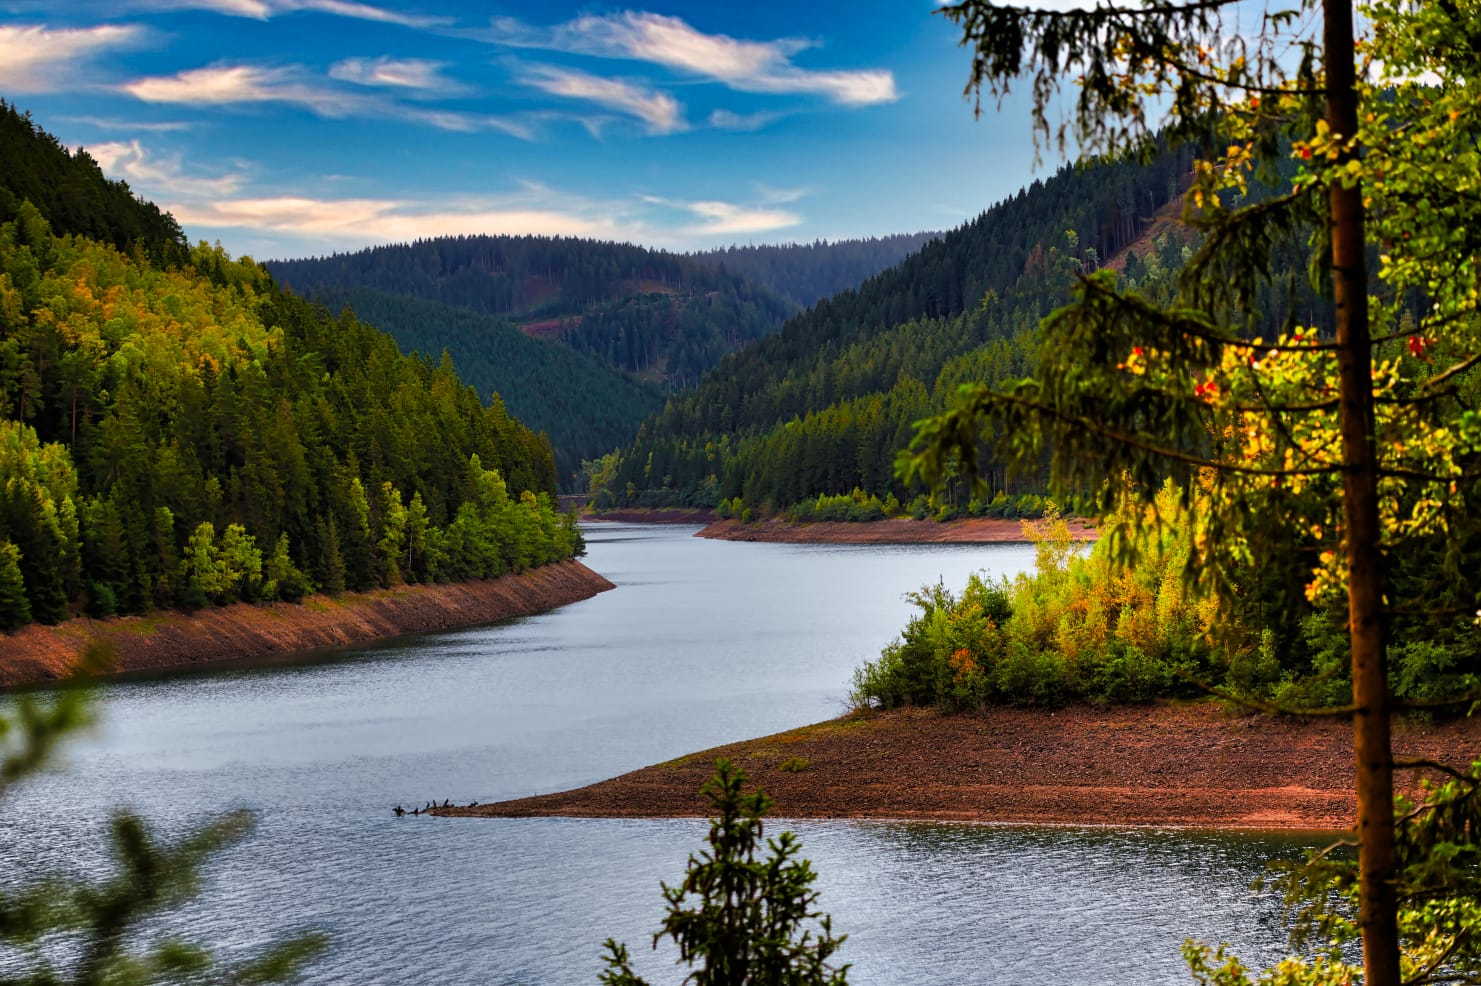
[(1195, 766), (159, 641), (899, 530)]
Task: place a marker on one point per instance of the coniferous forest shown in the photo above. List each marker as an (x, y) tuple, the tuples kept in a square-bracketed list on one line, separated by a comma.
[(820, 409), (178, 431)]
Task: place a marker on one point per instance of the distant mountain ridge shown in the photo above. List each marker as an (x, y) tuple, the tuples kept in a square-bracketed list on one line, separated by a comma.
[(821, 407), (663, 317), (806, 273), (578, 336)]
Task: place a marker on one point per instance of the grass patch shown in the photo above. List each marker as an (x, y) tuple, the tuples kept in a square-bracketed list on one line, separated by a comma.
[(794, 765)]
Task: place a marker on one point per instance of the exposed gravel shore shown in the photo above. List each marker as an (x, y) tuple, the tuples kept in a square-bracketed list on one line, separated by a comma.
[(168, 640), (1195, 766)]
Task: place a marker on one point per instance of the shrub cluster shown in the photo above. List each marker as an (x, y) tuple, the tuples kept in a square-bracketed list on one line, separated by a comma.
[(1078, 627)]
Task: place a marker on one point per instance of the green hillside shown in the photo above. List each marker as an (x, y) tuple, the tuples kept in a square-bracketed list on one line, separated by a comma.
[(822, 407), (178, 431), (660, 316), (806, 273), (586, 407)]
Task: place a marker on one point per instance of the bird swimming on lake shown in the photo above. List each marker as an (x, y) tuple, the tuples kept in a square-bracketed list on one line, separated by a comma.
[(399, 811)]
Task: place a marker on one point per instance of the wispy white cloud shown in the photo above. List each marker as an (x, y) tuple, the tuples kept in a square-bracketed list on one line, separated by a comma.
[(397, 73), (781, 196), (232, 85), (717, 218), (358, 221), (746, 66), (660, 111), (129, 160), (723, 119), (137, 126), (35, 58), (267, 9), (221, 85)]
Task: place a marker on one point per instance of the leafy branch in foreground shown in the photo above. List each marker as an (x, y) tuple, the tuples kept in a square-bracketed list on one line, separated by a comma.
[(739, 920), (72, 931), (1357, 460), (1438, 888)]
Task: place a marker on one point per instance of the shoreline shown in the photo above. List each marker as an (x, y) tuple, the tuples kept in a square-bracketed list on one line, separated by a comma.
[(1194, 766), (172, 640), (897, 530)]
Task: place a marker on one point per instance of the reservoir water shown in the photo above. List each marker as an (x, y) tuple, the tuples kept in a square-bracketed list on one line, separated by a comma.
[(702, 643)]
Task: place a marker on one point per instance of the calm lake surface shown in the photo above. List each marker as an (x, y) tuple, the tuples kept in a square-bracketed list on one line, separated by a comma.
[(702, 643)]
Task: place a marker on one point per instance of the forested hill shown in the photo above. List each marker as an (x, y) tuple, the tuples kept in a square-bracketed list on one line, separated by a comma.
[(805, 273), (664, 317), (179, 433), (71, 191), (821, 407), (586, 407)]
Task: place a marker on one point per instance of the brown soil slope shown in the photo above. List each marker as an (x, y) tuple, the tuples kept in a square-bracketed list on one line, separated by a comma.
[(1194, 766), (38, 654), (899, 530)]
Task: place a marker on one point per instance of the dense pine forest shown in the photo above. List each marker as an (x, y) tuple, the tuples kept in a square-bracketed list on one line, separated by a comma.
[(806, 273), (586, 407), (510, 311), (808, 416), (178, 431), (662, 317)]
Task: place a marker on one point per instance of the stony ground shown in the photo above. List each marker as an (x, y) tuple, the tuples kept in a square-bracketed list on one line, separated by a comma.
[(171, 639), (1199, 766)]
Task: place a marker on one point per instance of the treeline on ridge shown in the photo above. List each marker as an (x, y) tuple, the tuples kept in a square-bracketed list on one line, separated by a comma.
[(586, 407), (822, 407), (806, 273), (183, 433), (664, 317)]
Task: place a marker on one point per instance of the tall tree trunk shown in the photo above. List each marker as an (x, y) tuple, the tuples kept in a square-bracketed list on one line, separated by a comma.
[(1378, 902)]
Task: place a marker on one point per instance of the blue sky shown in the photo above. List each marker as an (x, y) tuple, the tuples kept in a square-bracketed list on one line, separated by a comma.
[(299, 127)]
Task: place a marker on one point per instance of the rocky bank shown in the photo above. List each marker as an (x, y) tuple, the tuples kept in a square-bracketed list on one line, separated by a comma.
[(172, 640)]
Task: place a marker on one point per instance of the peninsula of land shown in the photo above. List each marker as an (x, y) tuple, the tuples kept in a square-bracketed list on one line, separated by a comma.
[(171, 640), (1193, 766)]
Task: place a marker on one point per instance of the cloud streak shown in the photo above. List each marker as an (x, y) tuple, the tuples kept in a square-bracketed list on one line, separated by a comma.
[(129, 160), (717, 218), (238, 85), (38, 59), (359, 221), (660, 111), (745, 66), (395, 73), (263, 10)]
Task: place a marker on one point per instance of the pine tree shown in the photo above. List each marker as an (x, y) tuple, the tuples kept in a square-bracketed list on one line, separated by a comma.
[(15, 610)]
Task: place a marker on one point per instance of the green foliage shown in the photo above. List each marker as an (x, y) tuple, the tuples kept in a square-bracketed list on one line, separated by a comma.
[(70, 190), (660, 316), (739, 920), (15, 609), (101, 920), (806, 273), (586, 407), (823, 406), (163, 426), (1439, 881), (1079, 627)]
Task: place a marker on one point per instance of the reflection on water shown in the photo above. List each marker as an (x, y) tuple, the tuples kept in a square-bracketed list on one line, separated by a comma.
[(702, 643)]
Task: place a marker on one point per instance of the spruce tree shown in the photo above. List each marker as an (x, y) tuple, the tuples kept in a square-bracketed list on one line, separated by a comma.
[(15, 610)]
